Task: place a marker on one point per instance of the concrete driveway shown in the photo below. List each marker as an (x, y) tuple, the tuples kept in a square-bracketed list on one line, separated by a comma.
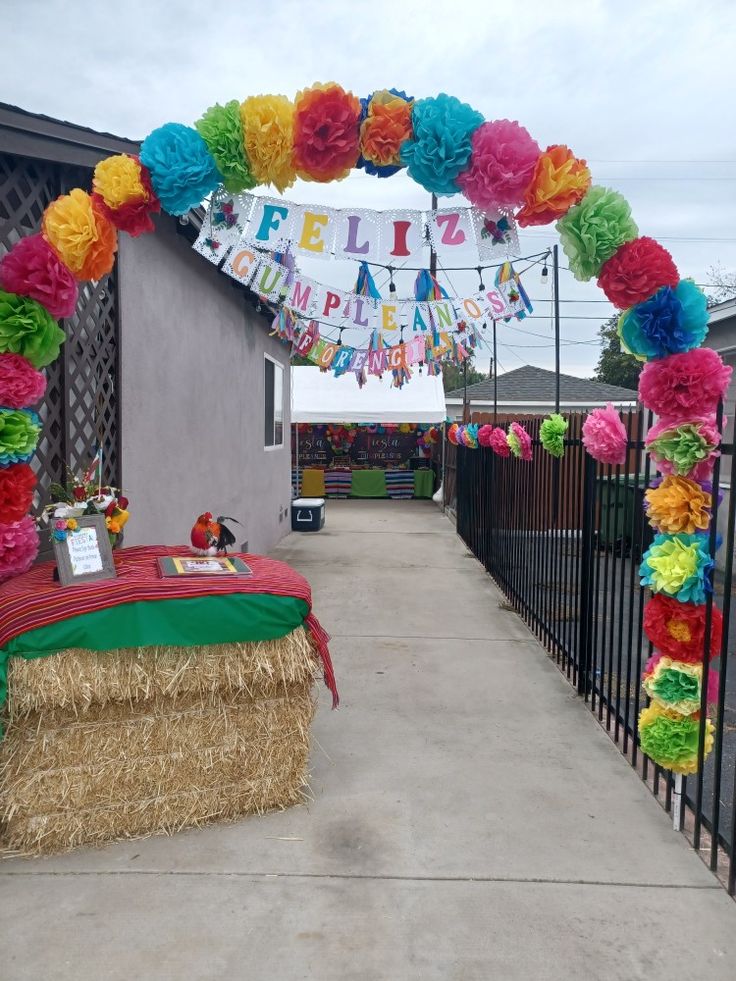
[(470, 820)]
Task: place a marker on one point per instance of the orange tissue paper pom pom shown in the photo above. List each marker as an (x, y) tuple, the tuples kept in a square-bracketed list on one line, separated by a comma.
[(386, 126), (559, 181), (81, 235)]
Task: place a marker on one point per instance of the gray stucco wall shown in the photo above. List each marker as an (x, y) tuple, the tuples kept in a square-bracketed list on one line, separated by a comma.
[(192, 398)]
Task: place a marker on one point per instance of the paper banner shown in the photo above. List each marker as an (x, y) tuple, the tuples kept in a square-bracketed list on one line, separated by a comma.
[(388, 237)]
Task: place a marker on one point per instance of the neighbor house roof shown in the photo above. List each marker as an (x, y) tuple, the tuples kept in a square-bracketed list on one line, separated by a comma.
[(529, 385)]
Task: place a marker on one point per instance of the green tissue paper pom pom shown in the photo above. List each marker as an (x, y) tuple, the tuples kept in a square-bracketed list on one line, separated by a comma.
[(27, 328), (552, 433), (594, 229), (221, 129), (19, 432)]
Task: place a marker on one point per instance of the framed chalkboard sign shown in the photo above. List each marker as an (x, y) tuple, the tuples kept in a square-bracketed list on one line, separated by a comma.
[(83, 553)]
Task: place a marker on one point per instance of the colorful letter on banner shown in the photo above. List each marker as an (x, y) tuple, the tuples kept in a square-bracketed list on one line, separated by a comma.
[(270, 279), (497, 304), (342, 360), (401, 238), (451, 230), (357, 234), (396, 356), (241, 264), (360, 357), (272, 222), (415, 350), (301, 295), (317, 235), (317, 350), (307, 339), (377, 362), (420, 317)]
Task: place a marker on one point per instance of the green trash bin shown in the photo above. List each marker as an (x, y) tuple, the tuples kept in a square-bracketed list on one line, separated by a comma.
[(621, 511)]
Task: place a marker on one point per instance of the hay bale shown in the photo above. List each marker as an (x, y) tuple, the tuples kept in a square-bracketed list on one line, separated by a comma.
[(103, 746)]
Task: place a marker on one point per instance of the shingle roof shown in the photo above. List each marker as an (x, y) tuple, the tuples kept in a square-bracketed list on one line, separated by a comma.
[(530, 384)]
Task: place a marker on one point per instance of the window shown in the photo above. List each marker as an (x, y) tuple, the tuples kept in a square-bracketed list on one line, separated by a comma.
[(274, 403)]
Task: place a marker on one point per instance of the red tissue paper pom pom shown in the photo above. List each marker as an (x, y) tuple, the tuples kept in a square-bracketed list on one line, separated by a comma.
[(18, 547), (17, 484), (134, 216), (20, 384), (326, 133), (33, 269), (678, 629), (636, 271), (684, 384)]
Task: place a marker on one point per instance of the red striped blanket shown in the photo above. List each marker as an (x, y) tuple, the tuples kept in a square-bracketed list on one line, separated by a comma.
[(35, 600)]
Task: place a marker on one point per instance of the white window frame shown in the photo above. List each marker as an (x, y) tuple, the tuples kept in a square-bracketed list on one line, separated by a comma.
[(277, 364)]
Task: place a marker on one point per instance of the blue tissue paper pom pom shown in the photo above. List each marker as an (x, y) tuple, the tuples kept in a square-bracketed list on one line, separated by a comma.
[(441, 148), (671, 321), (182, 170)]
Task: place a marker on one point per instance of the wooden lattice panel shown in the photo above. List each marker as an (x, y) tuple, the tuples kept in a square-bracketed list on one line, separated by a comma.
[(80, 407)]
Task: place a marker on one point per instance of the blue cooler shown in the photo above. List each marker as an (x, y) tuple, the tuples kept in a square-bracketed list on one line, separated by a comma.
[(307, 514)]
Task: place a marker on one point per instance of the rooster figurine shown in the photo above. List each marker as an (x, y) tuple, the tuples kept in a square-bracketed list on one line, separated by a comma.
[(209, 537)]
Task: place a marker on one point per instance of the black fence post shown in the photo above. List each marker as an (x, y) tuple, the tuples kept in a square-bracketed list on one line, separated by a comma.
[(585, 622)]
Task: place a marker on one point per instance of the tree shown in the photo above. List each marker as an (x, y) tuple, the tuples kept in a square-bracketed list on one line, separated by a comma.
[(454, 375), (722, 284), (616, 367)]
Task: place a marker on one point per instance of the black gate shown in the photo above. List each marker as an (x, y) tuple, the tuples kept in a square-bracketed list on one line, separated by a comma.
[(81, 407), (563, 539)]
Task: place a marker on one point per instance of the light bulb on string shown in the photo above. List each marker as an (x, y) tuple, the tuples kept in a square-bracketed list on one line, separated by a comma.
[(545, 274), (481, 284)]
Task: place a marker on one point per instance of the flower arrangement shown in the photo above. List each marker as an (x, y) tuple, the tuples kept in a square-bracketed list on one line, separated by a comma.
[(84, 494), (340, 438)]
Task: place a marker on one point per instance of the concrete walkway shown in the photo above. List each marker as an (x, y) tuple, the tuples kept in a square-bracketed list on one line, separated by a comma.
[(470, 821)]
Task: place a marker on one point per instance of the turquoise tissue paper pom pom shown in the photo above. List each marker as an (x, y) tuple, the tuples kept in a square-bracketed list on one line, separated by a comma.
[(671, 321), (441, 148), (182, 169)]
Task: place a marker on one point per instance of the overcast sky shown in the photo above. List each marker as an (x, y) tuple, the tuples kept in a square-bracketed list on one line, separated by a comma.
[(645, 91)]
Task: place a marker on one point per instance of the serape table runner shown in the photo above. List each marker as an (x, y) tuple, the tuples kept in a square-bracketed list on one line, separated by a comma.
[(338, 482), (400, 484), (140, 608)]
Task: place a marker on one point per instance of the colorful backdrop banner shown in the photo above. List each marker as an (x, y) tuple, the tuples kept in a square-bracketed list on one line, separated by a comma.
[(386, 237)]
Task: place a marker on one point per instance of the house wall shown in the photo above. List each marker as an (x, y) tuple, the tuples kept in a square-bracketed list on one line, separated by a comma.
[(192, 398)]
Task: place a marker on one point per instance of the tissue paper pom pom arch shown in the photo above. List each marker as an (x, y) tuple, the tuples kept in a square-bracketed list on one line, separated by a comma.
[(447, 147)]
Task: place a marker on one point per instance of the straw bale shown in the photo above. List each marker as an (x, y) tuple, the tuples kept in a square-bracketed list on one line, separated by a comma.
[(76, 679), (156, 771)]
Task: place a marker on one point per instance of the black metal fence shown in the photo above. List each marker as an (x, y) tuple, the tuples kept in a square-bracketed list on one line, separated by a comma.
[(563, 539)]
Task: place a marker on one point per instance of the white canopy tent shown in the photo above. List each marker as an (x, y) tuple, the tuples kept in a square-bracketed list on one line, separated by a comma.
[(319, 397)]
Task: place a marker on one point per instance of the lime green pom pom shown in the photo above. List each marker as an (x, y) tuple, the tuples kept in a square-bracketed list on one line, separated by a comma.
[(552, 434), (222, 131), (27, 328), (594, 229)]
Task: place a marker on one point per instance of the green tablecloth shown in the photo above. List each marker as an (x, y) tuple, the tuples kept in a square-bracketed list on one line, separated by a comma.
[(423, 483), (368, 483)]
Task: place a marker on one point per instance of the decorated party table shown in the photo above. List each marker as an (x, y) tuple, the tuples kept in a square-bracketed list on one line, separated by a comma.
[(141, 704), (369, 483)]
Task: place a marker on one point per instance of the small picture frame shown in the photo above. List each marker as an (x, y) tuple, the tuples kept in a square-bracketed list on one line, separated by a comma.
[(84, 554), (202, 565)]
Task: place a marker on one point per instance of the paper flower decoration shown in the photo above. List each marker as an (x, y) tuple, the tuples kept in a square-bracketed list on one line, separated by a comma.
[(676, 685), (385, 127), (636, 271), (687, 449), (33, 269), (441, 145), (452, 433), (485, 435), (19, 432), (182, 169), (670, 322), (678, 629), (20, 384), (268, 127), (671, 739), (500, 167), (499, 443), (222, 130), (605, 437), (685, 384), (17, 485), (519, 441), (558, 182), (27, 328), (552, 434), (594, 229), (124, 194), (677, 504), (18, 547), (80, 235), (678, 565), (326, 133), (470, 436)]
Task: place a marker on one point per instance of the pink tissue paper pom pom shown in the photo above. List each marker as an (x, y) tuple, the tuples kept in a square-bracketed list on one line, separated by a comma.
[(18, 547), (524, 438), (501, 165), (485, 435), (498, 442), (33, 269), (604, 436), (683, 384), (20, 384)]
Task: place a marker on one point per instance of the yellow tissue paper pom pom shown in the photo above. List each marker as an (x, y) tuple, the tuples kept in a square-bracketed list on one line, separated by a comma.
[(268, 128), (81, 236), (118, 180)]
